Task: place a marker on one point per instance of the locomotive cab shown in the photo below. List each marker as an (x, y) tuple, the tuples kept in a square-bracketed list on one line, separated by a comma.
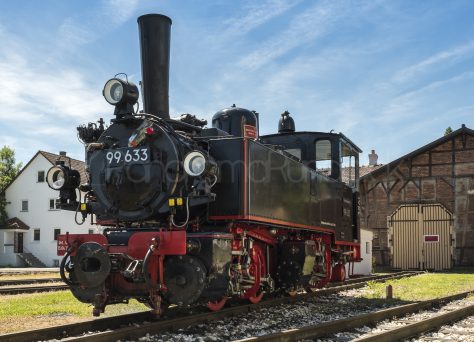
[(332, 154)]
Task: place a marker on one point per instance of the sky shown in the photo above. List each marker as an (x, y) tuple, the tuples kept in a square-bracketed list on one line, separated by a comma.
[(390, 75)]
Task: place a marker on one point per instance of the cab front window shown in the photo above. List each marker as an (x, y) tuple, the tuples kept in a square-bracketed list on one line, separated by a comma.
[(324, 156), (349, 164)]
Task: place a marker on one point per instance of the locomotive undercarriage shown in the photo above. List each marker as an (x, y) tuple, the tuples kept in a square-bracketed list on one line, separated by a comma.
[(244, 262)]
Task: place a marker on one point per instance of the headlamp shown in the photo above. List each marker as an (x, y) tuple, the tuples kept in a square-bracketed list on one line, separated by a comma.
[(195, 163), (118, 92), (62, 177), (55, 178)]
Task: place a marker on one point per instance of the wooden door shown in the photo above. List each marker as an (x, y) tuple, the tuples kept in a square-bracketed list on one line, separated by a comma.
[(420, 237), (18, 242)]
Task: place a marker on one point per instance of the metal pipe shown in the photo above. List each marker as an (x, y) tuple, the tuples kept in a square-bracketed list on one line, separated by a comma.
[(154, 30)]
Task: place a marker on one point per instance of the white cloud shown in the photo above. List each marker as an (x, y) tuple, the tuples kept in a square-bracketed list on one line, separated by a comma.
[(72, 35), (44, 96), (255, 14), (42, 91), (75, 31), (408, 104), (436, 61), (308, 26), (119, 11)]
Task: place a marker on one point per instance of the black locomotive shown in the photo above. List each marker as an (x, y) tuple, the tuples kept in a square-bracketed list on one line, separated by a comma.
[(196, 214)]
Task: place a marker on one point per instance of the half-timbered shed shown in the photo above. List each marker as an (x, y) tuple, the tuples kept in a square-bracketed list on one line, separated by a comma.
[(421, 206)]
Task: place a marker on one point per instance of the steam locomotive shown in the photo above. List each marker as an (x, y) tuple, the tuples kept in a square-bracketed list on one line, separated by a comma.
[(197, 214)]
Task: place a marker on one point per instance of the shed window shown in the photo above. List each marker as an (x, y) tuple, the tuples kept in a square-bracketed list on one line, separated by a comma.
[(323, 156), (57, 231), (24, 205), (36, 234), (367, 247), (40, 176), (54, 204)]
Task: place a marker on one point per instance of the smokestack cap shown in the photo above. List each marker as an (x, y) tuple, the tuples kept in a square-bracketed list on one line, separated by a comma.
[(161, 16)]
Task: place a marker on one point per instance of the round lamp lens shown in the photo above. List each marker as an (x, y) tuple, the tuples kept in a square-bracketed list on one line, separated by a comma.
[(113, 91), (116, 92), (58, 179), (195, 163)]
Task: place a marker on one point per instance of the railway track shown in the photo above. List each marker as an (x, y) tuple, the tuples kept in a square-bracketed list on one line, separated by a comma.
[(29, 281), (32, 289), (140, 324), (409, 329)]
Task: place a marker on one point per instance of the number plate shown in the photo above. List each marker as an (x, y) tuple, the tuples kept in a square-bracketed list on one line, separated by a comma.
[(123, 156)]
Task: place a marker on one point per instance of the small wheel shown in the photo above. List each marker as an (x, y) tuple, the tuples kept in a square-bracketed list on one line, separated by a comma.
[(217, 305), (185, 279)]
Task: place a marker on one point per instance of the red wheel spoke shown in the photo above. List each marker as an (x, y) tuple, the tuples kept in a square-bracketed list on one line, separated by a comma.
[(258, 269)]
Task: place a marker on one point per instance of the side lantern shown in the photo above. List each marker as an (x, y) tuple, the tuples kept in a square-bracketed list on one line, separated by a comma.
[(65, 180)]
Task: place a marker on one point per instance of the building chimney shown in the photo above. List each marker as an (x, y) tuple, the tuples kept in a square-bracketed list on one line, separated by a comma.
[(62, 153), (373, 157)]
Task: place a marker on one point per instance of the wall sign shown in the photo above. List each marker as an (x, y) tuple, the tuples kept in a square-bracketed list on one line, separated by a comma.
[(431, 238)]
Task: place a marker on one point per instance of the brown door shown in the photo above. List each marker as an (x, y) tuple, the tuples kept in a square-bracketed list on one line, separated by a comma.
[(437, 238), (405, 238), (420, 237), (18, 242)]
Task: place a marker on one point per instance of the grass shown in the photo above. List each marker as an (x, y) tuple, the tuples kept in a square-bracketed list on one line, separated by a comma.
[(29, 311), (423, 287), (59, 302)]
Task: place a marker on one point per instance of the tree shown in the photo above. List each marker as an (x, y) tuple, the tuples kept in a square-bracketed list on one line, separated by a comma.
[(448, 130), (8, 171)]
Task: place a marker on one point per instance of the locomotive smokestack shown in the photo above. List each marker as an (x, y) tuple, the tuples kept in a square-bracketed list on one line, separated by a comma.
[(155, 57)]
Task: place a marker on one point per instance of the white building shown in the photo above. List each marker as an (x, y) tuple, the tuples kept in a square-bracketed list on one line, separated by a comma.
[(29, 237), (365, 266)]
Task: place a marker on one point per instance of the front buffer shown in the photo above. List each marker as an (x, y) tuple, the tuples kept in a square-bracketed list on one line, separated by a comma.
[(112, 268)]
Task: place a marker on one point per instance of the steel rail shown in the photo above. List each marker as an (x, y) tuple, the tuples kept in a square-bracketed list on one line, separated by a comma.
[(32, 289), (115, 324), (28, 281), (350, 323), (417, 328)]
